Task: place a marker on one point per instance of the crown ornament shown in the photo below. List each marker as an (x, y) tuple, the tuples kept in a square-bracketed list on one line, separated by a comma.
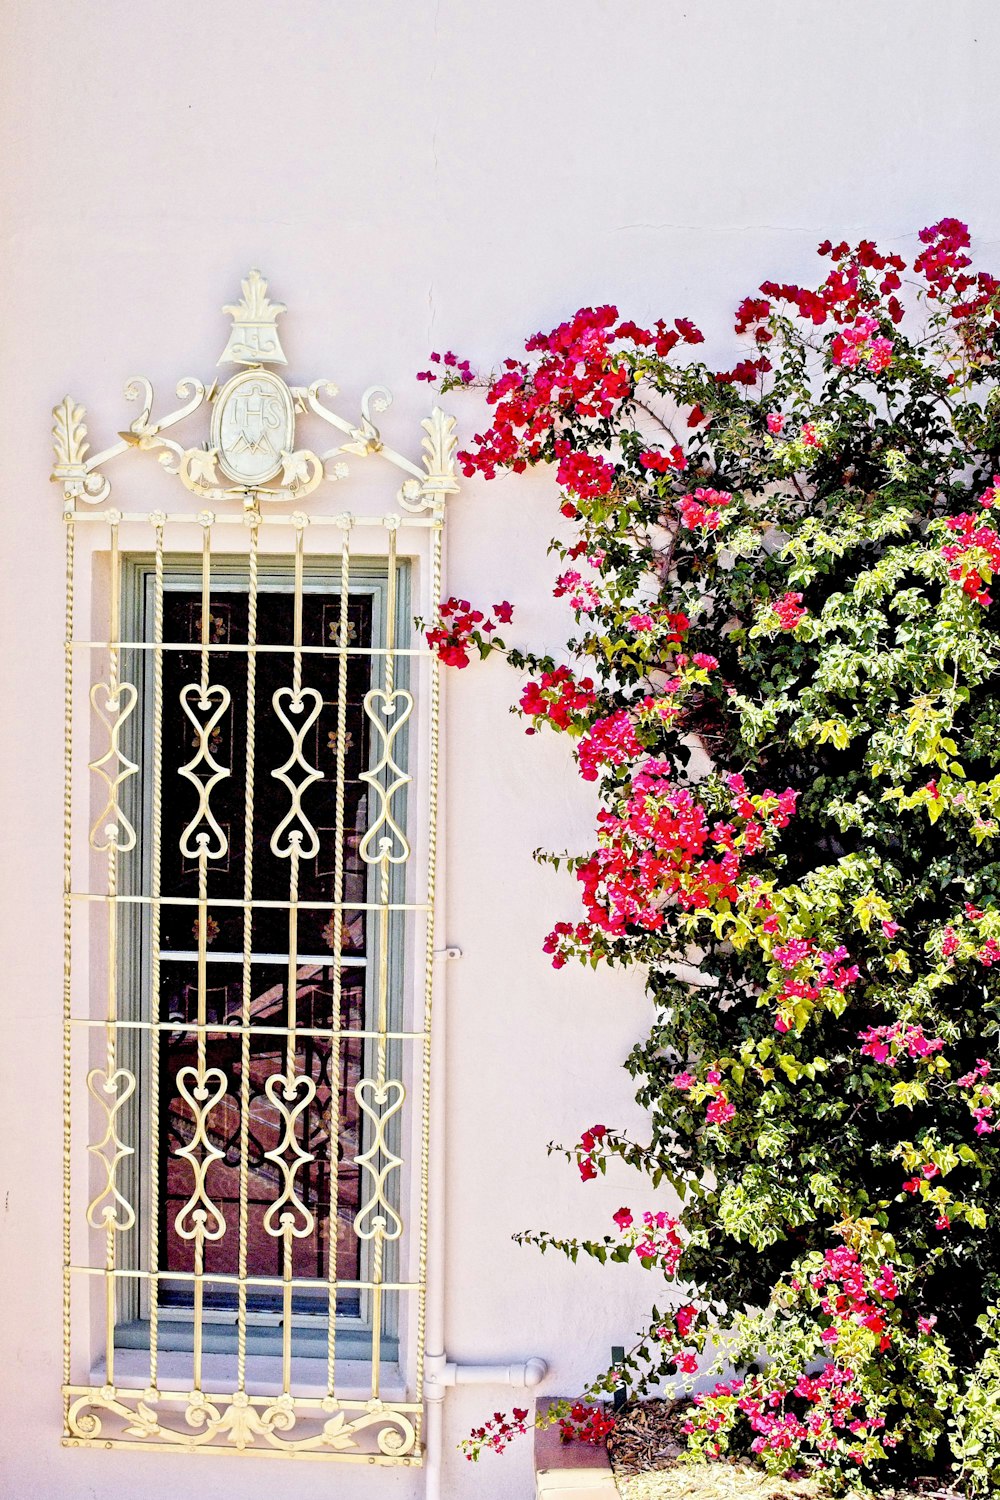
[(253, 338)]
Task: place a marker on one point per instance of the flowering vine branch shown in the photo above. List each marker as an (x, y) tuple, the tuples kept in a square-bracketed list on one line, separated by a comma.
[(781, 680)]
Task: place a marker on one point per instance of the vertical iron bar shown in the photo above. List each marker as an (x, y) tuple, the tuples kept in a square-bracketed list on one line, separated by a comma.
[(114, 707), (199, 1238), (333, 1233), (247, 996), (382, 1017), (67, 1080), (154, 999), (434, 669), (292, 981)]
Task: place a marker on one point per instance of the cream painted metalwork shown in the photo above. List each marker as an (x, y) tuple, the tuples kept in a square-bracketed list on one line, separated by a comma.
[(248, 470)]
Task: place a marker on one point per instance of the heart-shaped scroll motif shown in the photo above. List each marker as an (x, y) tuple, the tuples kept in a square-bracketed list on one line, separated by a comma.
[(203, 829), (108, 1209), (199, 1215), (295, 830), (385, 838), (376, 1215), (111, 827), (289, 1096)]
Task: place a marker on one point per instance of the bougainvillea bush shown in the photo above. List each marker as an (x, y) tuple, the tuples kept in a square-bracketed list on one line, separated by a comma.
[(784, 683)]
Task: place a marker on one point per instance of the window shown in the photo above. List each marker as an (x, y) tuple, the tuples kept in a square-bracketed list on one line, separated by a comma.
[(251, 761), (334, 960)]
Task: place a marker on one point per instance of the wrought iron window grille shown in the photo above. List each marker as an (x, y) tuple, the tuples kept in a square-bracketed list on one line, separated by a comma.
[(252, 732)]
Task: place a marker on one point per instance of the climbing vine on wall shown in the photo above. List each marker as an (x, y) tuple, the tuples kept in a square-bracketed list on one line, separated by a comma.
[(783, 680)]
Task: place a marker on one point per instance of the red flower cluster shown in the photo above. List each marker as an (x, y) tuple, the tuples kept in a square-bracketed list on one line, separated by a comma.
[(656, 1239), (887, 1044), (583, 474), (746, 372), (944, 264), (829, 1419), (790, 610), (565, 939), (662, 339), (663, 463), (822, 971), (585, 1424), (974, 553), (459, 371), (576, 374), (983, 1097), (846, 290), (611, 741), (848, 1293), (677, 1334), (496, 1434), (585, 1151), (464, 629), (583, 595), (856, 346), (661, 848), (702, 509), (558, 698), (751, 311)]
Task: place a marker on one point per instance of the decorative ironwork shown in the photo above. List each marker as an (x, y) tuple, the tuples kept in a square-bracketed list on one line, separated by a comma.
[(203, 827), (256, 1079), (200, 1219), (240, 1420), (385, 838), (109, 1209), (295, 830), (111, 827)]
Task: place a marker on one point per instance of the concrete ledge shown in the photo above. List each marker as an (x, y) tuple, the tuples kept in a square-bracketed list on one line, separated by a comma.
[(570, 1471)]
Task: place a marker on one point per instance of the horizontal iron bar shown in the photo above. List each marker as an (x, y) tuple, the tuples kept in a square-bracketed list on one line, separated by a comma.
[(187, 518), (315, 1283), (219, 648), (321, 960), (101, 1023), (254, 905)]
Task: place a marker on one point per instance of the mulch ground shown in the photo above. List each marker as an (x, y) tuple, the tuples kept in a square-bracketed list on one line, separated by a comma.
[(647, 1442)]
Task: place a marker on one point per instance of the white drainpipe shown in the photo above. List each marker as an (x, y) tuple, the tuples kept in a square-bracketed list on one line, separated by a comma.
[(439, 1371)]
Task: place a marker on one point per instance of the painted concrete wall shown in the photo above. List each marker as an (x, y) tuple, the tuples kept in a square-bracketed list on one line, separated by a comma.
[(411, 176)]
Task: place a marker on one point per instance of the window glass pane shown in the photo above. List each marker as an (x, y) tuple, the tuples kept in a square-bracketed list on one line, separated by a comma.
[(324, 939)]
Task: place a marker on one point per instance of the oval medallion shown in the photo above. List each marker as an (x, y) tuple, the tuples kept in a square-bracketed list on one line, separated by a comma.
[(252, 425)]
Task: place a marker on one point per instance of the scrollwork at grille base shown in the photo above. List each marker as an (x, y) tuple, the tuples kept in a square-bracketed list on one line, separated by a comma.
[(370, 1432)]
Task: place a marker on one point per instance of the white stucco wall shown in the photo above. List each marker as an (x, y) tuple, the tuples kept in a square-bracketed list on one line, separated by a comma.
[(411, 176)]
